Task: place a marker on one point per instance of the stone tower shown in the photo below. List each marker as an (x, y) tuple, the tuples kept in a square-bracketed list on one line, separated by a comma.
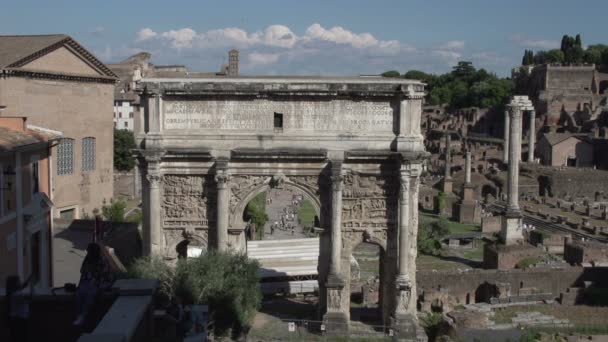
[(233, 62)]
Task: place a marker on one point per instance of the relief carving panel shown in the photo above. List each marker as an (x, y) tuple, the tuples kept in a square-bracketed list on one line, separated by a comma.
[(241, 186), (369, 201), (186, 201)]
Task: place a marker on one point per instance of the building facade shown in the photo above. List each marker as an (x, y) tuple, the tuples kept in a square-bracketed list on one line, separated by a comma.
[(25, 206), (61, 86), (564, 149)]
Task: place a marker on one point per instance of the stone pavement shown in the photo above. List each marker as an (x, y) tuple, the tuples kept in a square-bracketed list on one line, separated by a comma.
[(280, 204), (69, 249)]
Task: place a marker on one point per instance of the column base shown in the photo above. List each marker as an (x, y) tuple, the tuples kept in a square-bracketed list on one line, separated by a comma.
[(409, 143), (335, 281), (511, 230), (336, 324), (405, 328)]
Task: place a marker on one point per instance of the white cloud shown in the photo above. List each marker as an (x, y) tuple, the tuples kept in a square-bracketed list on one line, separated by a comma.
[(340, 35), (145, 34), (543, 44), (181, 38), (258, 58), (98, 31), (277, 49), (453, 45)]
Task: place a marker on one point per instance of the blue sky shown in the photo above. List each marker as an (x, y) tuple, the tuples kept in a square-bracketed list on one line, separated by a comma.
[(314, 36)]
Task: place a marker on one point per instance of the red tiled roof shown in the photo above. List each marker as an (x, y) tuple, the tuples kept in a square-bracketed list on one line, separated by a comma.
[(11, 139)]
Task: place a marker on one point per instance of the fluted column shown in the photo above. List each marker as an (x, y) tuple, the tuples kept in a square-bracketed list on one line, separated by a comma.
[(514, 157), (223, 201), (152, 229), (505, 152), (336, 220), (404, 222), (532, 136)]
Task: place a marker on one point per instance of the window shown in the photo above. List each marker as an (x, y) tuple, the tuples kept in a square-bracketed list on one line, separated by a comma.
[(278, 122), (88, 154), (131, 115), (65, 157), (126, 124), (120, 115)]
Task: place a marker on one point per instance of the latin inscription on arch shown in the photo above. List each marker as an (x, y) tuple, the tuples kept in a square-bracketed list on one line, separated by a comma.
[(303, 116)]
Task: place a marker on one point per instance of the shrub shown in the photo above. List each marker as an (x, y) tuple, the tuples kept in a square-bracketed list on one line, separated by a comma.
[(115, 211), (228, 283)]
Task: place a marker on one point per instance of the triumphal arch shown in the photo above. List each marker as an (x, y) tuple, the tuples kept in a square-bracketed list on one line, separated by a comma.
[(352, 146)]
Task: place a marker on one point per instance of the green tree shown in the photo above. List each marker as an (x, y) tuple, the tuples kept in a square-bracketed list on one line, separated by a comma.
[(463, 69), (156, 268), (528, 58), (256, 213), (124, 143), (430, 235), (417, 75), (228, 283), (115, 211), (391, 73)]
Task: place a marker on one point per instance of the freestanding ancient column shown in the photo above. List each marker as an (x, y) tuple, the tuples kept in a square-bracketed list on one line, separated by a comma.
[(505, 152), (514, 152), (447, 177), (511, 227), (532, 136), (467, 165)]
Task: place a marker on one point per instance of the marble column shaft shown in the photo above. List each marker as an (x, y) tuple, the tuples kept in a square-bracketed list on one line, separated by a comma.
[(336, 221), (514, 157), (467, 165), (532, 136), (152, 235), (448, 156), (404, 222), (223, 200), (505, 154)]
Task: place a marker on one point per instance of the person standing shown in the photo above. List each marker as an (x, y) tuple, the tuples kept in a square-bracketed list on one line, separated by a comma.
[(18, 308), (94, 276)]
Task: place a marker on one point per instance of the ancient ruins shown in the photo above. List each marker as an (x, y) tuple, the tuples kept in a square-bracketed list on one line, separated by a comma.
[(352, 146)]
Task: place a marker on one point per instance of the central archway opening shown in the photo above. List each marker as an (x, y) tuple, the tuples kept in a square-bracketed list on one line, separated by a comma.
[(280, 214), (366, 274), (280, 226)]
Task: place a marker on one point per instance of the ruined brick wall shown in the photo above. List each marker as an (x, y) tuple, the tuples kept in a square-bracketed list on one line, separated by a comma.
[(575, 182), (554, 88), (576, 252), (463, 284)]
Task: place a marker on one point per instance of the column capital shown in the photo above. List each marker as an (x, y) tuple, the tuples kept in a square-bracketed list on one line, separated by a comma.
[(337, 182), (514, 111), (411, 92), (222, 180)]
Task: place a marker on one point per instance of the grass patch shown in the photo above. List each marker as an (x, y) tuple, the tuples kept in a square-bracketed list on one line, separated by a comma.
[(306, 214), (527, 262), (454, 227), (476, 253)]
